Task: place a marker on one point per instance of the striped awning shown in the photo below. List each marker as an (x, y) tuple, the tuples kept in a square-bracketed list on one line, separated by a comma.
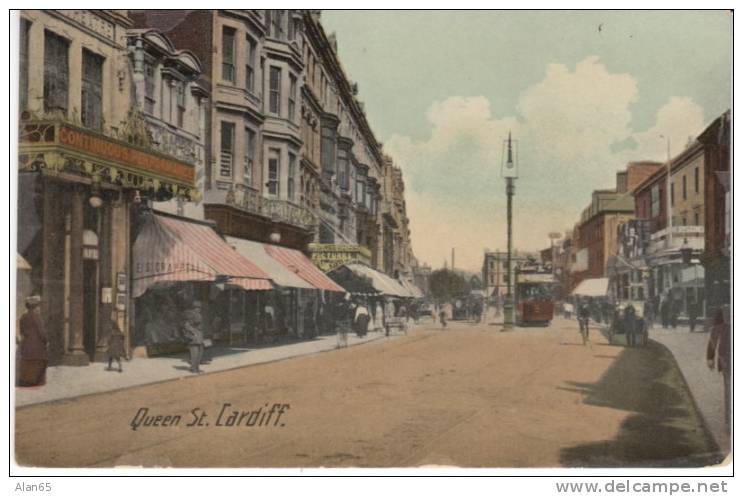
[(362, 279), (257, 253), (173, 249), (414, 290), (299, 264)]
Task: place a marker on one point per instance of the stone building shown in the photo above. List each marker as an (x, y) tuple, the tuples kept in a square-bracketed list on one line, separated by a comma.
[(85, 161), (595, 241), (173, 100), (717, 255), (253, 69), (343, 166)]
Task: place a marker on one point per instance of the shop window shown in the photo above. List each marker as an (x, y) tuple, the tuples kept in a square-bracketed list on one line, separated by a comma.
[(56, 73)]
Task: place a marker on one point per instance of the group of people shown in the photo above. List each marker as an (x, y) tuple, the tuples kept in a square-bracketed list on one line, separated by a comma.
[(34, 345)]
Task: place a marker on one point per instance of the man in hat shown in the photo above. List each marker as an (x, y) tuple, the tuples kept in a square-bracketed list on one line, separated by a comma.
[(192, 332), (34, 357)]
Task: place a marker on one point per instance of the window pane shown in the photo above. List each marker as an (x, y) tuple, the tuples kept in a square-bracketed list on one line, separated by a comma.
[(23, 69), (249, 156), (226, 149), (274, 168), (56, 73), (228, 54), (275, 90), (91, 101)]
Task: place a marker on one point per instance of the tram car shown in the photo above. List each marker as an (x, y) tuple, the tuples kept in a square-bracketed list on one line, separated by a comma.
[(534, 296)]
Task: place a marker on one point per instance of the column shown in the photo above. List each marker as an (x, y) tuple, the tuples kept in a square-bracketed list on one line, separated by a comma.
[(105, 279), (75, 352)]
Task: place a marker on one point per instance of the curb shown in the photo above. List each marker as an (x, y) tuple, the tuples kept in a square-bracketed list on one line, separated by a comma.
[(190, 377)]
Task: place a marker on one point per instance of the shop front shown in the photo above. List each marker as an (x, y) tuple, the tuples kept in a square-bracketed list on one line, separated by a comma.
[(77, 192), (177, 262)]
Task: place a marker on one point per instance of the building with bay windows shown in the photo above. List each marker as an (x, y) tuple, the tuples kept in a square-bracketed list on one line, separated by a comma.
[(85, 161), (253, 68)]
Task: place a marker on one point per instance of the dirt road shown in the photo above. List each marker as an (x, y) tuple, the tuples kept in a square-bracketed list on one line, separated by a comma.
[(469, 396)]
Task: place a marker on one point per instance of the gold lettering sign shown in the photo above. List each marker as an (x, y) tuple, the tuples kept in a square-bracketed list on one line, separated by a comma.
[(112, 150)]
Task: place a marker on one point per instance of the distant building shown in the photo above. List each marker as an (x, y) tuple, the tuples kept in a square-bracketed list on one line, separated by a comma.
[(495, 270)]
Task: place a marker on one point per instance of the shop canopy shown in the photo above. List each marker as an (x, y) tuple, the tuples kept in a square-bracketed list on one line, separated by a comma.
[(299, 264), (361, 279), (592, 287), (22, 263), (257, 253), (411, 288), (173, 249)]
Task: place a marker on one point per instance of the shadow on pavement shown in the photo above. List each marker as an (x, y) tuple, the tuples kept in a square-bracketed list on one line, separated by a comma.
[(664, 429)]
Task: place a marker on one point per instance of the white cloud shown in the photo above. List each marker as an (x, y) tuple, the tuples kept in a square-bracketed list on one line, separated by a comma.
[(566, 126)]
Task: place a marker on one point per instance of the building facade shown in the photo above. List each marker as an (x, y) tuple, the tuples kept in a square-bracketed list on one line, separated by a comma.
[(85, 162)]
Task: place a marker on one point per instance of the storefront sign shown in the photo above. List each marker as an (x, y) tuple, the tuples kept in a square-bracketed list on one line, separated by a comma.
[(328, 257), (106, 148)]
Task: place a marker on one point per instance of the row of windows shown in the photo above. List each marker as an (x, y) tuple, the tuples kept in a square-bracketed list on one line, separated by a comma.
[(274, 170), (229, 72)]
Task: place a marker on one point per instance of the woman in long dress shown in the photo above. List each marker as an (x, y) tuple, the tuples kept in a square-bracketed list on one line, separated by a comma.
[(34, 356)]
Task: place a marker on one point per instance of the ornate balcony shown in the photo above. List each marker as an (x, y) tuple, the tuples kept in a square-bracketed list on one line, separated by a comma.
[(280, 211)]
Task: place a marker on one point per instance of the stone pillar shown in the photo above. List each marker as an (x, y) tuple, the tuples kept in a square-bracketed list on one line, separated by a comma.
[(75, 352), (105, 279)]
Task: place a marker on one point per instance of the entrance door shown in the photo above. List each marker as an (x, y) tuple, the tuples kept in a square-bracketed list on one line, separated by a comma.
[(90, 306)]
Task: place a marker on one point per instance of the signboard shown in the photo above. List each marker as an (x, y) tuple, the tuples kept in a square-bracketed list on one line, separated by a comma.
[(107, 148), (327, 257)]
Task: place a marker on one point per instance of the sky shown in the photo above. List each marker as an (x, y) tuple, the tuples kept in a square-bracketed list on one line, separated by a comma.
[(583, 93)]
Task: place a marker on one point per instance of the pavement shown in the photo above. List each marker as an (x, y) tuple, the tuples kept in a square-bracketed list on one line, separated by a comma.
[(706, 386), (66, 382), (468, 396)]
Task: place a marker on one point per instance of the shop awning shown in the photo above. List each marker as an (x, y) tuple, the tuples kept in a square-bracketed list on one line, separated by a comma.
[(592, 287), (411, 288), (173, 249), (256, 253), (296, 262), (357, 278)]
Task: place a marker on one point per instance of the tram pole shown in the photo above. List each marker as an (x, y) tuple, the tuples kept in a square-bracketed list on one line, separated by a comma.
[(510, 174)]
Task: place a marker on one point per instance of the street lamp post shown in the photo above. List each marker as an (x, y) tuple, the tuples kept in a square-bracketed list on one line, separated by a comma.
[(510, 174)]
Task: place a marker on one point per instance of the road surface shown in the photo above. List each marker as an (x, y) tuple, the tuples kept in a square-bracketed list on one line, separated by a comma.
[(470, 396)]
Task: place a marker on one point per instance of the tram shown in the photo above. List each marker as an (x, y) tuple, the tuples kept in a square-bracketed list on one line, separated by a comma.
[(535, 295)]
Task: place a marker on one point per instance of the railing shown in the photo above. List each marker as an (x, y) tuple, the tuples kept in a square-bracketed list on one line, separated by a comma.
[(277, 210)]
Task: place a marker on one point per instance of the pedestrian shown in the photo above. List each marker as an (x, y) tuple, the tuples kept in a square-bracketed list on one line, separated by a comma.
[(34, 356), (361, 319), (584, 313), (675, 309), (115, 349), (192, 331), (630, 324), (693, 314), (647, 313), (664, 312), (442, 317), (718, 349)]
